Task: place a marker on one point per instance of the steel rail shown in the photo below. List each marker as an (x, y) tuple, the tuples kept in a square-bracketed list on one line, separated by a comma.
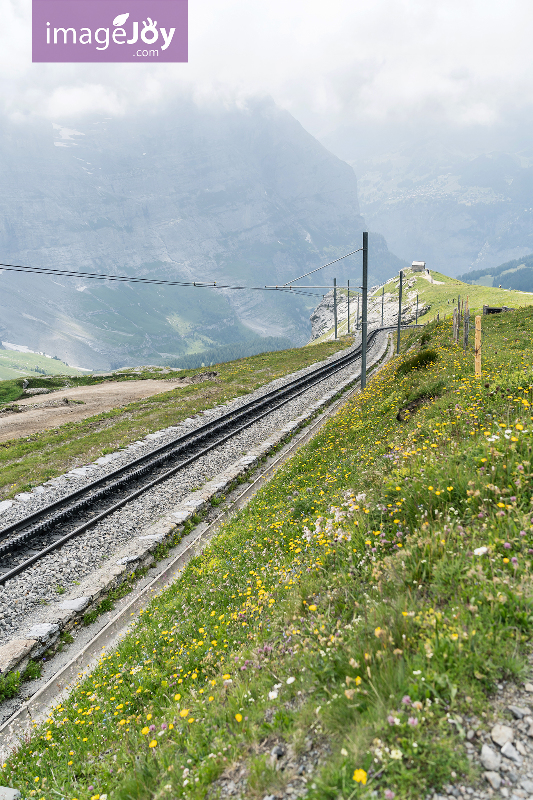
[(113, 482)]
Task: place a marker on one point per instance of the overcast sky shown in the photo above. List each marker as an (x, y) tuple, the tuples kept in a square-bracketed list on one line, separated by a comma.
[(456, 62)]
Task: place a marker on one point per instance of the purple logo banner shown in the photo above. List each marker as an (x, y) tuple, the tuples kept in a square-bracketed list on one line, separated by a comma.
[(109, 31)]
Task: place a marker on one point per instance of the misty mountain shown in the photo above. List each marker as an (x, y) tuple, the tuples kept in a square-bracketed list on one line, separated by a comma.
[(233, 195), (455, 200), (516, 274)]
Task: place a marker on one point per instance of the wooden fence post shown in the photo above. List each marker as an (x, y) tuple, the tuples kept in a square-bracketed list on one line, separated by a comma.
[(466, 326), (477, 347)]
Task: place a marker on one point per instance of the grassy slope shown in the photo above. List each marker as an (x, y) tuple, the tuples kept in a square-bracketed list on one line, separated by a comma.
[(366, 600), (15, 365), (29, 461), (440, 297)]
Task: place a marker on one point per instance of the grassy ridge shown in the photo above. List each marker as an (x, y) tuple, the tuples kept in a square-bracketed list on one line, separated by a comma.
[(440, 295), (364, 604)]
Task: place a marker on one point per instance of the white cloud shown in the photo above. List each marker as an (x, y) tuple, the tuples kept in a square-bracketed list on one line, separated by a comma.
[(458, 61)]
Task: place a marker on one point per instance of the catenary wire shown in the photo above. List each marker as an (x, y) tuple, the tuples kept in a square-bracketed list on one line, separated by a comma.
[(162, 281)]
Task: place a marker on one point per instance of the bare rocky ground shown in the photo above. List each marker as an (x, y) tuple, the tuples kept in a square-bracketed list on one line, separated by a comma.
[(292, 769), (84, 401)]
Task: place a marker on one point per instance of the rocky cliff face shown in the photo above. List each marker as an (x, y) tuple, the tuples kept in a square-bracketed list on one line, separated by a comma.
[(237, 196), (323, 317), (458, 205)]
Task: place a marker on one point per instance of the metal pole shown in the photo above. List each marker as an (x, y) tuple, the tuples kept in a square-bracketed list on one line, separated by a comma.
[(348, 306), (335, 303), (364, 321), (357, 319), (416, 319), (399, 313), (382, 301)]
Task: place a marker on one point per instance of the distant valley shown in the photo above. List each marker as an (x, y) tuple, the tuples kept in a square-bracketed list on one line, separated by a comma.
[(458, 202), (231, 195)]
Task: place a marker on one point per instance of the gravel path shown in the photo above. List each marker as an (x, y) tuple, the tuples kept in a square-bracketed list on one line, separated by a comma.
[(80, 557)]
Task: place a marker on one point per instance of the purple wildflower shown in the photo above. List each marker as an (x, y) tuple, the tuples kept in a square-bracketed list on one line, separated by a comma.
[(406, 700), (389, 794), (390, 719), (151, 728), (514, 560), (522, 533), (412, 721), (507, 545)]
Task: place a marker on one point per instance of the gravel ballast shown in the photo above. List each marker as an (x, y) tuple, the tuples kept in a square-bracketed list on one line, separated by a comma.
[(62, 570)]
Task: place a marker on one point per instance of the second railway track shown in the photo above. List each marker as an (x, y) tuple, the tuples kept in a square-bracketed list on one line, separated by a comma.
[(29, 539)]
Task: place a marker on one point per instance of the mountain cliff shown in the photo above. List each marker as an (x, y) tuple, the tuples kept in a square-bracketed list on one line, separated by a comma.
[(240, 195), (458, 202)]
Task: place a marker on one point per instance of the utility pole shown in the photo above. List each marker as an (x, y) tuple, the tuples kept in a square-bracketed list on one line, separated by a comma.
[(399, 313), (348, 306), (416, 318), (335, 303), (357, 319), (364, 321), (382, 301)]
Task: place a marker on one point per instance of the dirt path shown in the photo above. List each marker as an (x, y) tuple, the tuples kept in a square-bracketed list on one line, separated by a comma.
[(96, 399)]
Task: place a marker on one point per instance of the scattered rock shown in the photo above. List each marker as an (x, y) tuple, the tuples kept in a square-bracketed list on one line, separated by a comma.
[(42, 631), (510, 751), (521, 749), (494, 778), (490, 759), (31, 392), (501, 734), (519, 713), (77, 604), (6, 793), (13, 653), (528, 687)]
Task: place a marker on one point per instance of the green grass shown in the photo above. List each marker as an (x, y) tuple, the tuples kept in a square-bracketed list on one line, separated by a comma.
[(14, 364), (366, 601), (440, 297), (27, 462)]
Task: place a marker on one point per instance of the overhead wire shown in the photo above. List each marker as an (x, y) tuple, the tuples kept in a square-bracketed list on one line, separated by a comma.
[(154, 281), (323, 266)]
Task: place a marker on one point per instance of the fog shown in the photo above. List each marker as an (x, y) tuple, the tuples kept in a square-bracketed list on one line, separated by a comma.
[(461, 65)]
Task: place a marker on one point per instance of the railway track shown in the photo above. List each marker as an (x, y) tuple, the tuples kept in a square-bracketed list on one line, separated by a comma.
[(29, 539)]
